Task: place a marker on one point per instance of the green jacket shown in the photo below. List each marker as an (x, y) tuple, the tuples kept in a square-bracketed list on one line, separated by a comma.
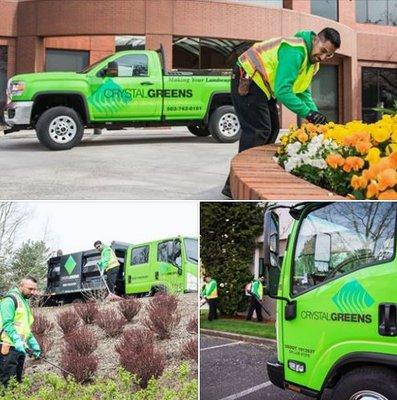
[(257, 289), (7, 313), (108, 259), (210, 290), (290, 61)]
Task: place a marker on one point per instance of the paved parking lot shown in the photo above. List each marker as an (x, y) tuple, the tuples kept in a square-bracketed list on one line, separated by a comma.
[(134, 164), (232, 370)]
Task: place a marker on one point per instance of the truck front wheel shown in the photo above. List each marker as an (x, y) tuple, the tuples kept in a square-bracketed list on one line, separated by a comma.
[(200, 131), (224, 125), (59, 128), (368, 383)]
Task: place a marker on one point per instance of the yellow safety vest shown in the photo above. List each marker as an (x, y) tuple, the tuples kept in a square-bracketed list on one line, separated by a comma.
[(23, 319), (212, 289), (260, 62), (113, 261)]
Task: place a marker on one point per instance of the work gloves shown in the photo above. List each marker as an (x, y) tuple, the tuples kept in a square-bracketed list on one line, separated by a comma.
[(34, 347), (20, 346), (316, 118)]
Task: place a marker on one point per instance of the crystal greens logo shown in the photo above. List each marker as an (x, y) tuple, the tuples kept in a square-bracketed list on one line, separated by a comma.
[(110, 98), (352, 300), (70, 265)]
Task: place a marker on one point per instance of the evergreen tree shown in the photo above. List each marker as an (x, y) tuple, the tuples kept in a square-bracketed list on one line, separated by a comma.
[(228, 238)]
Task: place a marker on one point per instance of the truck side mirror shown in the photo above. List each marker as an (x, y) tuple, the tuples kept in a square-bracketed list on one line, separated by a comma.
[(322, 252), (271, 251), (112, 69)]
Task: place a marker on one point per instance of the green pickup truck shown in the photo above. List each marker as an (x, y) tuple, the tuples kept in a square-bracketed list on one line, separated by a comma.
[(126, 89)]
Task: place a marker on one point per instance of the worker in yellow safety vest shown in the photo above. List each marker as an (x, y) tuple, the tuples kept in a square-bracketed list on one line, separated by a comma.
[(16, 336), (109, 263), (279, 69), (210, 294)]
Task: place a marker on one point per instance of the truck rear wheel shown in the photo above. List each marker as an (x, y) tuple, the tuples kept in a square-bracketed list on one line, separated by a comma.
[(198, 130), (59, 128), (369, 383), (224, 125)]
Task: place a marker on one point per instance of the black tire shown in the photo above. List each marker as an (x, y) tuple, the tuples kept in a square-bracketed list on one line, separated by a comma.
[(197, 130), (224, 125), (158, 289), (379, 380), (65, 141)]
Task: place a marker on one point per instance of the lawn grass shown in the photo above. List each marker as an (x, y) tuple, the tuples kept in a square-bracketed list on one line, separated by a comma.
[(240, 326)]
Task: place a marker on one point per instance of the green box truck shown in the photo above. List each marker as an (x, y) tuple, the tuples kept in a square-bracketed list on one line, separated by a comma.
[(336, 300), (126, 89), (168, 265)]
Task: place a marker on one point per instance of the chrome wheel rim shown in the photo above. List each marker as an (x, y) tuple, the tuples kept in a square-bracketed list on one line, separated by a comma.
[(62, 129), (368, 395), (229, 125)]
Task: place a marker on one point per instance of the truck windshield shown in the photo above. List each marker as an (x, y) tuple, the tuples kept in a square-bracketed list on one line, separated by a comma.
[(342, 237), (90, 67), (191, 247)]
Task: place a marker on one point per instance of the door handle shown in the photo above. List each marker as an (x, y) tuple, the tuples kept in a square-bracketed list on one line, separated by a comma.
[(147, 83), (387, 319), (129, 278), (156, 275)]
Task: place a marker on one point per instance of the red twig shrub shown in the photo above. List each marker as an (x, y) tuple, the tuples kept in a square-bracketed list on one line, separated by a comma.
[(68, 321), (82, 340), (45, 343), (190, 349), (82, 367), (129, 308), (162, 316), (111, 322), (87, 311), (41, 325), (192, 325), (138, 355)]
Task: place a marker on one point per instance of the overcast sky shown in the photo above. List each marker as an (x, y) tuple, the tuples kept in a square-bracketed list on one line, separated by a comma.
[(74, 226)]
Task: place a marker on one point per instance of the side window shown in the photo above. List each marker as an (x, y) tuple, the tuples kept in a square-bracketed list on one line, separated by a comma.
[(140, 255), (341, 238), (166, 250), (132, 65)]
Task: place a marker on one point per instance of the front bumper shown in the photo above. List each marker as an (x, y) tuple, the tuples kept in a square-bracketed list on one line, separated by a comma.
[(275, 370), (18, 113)]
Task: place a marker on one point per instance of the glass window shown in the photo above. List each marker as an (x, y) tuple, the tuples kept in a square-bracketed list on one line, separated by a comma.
[(132, 65), (325, 8), (191, 246), (130, 43), (206, 53), (379, 88), (340, 238), (140, 255), (167, 250), (3, 79), (66, 60), (325, 91), (381, 12)]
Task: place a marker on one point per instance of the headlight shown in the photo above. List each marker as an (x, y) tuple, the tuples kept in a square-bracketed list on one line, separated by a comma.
[(15, 88)]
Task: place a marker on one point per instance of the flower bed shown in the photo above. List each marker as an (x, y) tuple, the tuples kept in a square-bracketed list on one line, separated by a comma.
[(356, 160)]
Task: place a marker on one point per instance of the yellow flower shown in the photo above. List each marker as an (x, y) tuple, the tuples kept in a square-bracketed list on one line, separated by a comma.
[(353, 163), (372, 190), (358, 182), (335, 160), (390, 194), (387, 178), (373, 155), (380, 134)]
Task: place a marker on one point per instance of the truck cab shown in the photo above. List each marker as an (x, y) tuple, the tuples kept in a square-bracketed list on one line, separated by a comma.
[(167, 265), (336, 300)]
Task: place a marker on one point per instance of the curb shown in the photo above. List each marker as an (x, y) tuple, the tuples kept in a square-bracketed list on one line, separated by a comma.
[(238, 336)]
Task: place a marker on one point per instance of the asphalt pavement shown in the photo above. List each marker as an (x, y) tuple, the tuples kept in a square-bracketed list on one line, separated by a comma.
[(154, 164), (231, 369)]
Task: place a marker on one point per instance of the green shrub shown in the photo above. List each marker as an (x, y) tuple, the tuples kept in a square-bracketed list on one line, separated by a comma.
[(176, 384)]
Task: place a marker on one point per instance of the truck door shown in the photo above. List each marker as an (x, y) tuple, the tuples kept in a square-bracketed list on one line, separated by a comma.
[(169, 264), (125, 89), (342, 271), (137, 270)]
